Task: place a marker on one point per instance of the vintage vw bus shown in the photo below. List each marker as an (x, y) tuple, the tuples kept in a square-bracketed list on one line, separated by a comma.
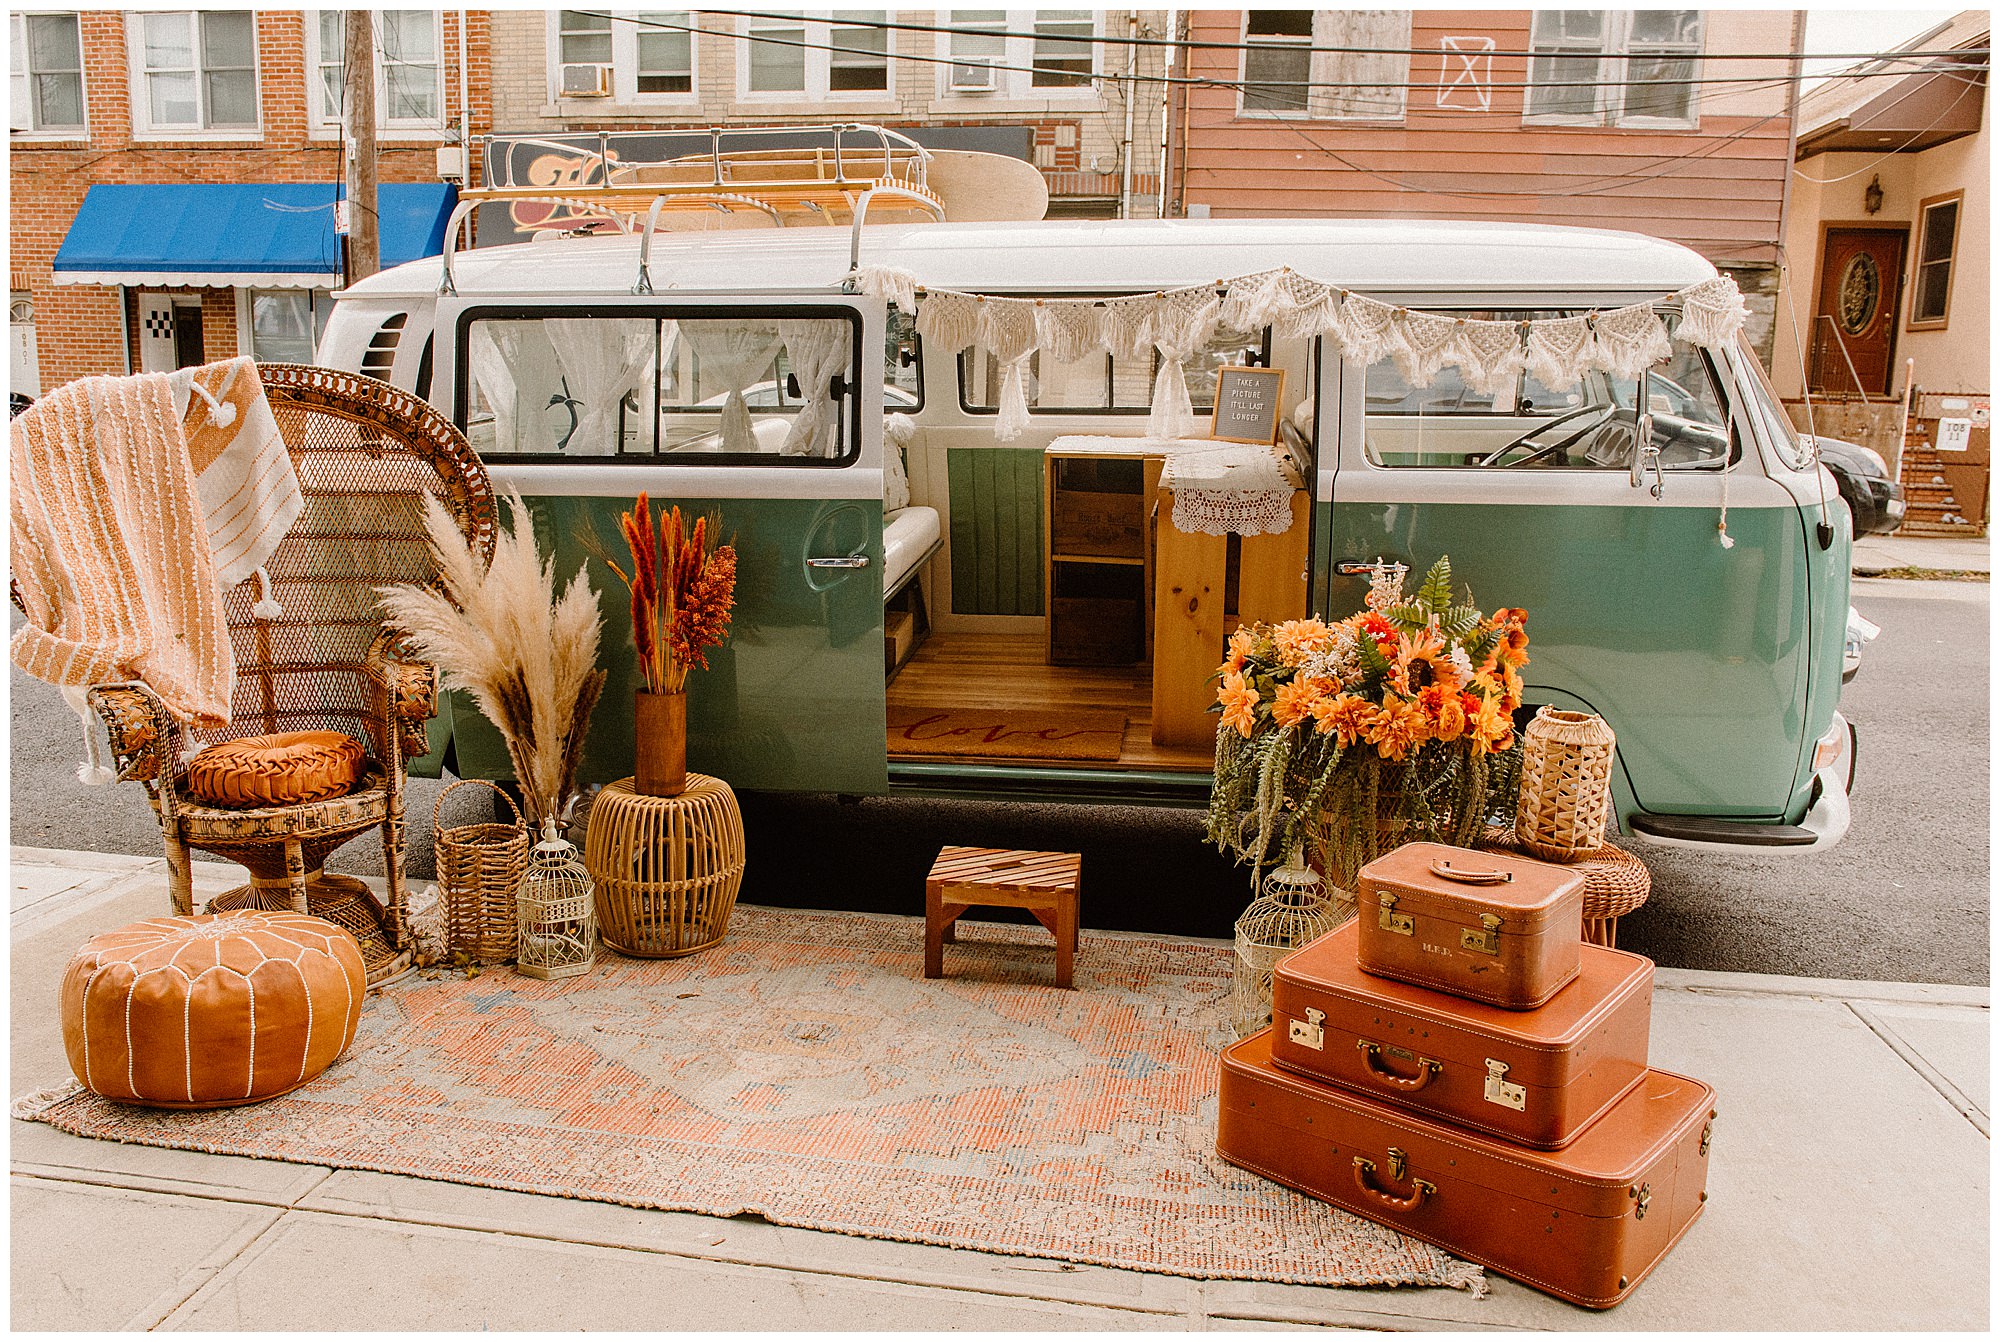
[(745, 372)]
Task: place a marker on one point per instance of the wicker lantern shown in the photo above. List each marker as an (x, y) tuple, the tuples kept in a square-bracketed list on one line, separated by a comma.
[(1292, 909), (558, 916), (1565, 784)]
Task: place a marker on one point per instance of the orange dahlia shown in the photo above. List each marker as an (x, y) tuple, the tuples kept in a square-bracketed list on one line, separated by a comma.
[(1298, 640), (1397, 728), (1492, 726), (1239, 702), (1346, 716), (1293, 702), (1442, 711)]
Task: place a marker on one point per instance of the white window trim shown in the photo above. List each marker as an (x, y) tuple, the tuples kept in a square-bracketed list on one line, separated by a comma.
[(80, 131), (321, 126), (1015, 84), (624, 69), (1320, 73), (1611, 62), (818, 61), (143, 131), (245, 337)]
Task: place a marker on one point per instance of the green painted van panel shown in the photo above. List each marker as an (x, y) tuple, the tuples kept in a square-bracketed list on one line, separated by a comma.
[(793, 702), (996, 530), (1831, 574), (1698, 657)]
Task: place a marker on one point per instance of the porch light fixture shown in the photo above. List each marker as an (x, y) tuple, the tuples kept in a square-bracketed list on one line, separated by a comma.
[(1871, 198)]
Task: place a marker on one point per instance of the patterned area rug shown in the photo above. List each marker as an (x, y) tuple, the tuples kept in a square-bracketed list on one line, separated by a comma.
[(1004, 733), (804, 1071)]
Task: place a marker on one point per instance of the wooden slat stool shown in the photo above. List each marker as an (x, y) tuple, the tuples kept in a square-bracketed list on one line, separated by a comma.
[(1045, 884)]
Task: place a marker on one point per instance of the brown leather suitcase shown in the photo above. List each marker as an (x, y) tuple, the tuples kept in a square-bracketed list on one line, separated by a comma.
[(1486, 926), (1536, 1077), (1586, 1223)]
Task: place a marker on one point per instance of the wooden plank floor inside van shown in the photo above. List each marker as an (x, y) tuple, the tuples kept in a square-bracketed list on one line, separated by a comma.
[(952, 670)]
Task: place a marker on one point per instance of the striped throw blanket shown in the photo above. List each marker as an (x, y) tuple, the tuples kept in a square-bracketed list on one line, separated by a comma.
[(136, 502)]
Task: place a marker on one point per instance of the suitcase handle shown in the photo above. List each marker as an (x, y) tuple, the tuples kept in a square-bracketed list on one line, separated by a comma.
[(1372, 1055), (1470, 875), (1364, 1178)]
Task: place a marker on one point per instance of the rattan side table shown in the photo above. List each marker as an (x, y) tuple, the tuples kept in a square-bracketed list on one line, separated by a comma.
[(666, 869), (1615, 882)]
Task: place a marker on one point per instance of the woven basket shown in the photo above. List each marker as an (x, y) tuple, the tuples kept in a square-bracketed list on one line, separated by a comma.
[(1615, 882), (479, 871), (1565, 784), (666, 869)]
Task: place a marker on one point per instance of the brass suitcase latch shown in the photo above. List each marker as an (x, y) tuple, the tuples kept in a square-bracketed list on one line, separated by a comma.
[(1501, 1091), (1644, 1194), (1308, 1032), (1486, 939), (1402, 924)]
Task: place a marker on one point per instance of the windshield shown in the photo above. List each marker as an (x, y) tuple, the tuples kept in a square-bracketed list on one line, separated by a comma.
[(1762, 401)]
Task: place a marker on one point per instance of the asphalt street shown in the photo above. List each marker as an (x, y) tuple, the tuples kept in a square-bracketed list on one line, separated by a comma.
[(1904, 897)]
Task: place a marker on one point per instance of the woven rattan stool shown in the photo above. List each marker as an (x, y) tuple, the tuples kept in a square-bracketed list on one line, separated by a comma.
[(1615, 882), (666, 869), (1045, 884)]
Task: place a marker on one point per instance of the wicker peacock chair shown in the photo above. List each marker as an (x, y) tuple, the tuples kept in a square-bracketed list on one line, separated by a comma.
[(365, 453)]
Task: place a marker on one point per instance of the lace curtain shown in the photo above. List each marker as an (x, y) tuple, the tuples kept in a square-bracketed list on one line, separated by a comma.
[(602, 360), (733, 354), (817, 351)]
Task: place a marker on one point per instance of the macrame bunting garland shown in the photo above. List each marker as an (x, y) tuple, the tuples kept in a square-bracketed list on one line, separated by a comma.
[(1556, 351)]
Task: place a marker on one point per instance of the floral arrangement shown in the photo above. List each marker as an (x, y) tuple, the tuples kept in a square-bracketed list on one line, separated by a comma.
[(683, 586), (1354, 736), (527, 657)]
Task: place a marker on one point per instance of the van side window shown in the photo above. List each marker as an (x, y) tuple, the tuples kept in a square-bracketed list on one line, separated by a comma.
[(772, 388), (1100, 383), (1525, 425)]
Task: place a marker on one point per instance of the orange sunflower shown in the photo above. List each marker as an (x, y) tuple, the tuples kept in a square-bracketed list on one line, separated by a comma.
[(1414, 663)]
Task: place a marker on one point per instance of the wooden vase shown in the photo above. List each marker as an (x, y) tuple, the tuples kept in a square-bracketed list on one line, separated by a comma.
[(659, 744)]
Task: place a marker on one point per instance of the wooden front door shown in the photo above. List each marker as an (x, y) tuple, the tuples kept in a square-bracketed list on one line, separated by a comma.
[(1854, 324)]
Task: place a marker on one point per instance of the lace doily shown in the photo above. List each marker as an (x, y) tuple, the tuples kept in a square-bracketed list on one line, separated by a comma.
[(1229, 489)]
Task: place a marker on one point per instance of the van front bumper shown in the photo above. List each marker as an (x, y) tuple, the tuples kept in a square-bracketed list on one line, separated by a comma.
[(1822, 826)]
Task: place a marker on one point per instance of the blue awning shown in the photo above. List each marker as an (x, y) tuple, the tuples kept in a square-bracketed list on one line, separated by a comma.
[(267, 234)]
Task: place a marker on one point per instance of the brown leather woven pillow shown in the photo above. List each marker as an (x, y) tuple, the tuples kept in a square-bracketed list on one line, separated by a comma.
[(278, 770)]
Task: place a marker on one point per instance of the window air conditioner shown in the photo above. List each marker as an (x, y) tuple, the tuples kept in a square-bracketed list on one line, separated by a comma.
[(586, 81), (971, 76)]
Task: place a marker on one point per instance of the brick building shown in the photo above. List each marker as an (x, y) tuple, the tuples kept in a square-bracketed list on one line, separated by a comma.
[(1029, 82), (186, 113), (1599, 118)]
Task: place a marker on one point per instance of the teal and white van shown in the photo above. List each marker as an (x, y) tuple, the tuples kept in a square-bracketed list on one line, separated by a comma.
[(740, 372)]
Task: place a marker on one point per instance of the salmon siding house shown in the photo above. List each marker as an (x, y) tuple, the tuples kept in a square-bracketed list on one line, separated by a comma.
[(1598, 118)]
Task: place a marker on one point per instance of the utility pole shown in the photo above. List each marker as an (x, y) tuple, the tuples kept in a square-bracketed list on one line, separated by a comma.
[(364, 242)]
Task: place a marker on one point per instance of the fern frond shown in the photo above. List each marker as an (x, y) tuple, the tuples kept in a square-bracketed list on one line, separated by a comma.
[(1435, 594), (1408, 617)]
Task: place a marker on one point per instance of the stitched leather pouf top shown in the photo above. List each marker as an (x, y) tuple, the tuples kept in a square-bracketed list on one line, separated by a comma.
[(211, 1010), (283, 769)]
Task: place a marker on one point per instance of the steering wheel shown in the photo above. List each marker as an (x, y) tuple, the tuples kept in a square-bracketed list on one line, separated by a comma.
[(1493, 457)]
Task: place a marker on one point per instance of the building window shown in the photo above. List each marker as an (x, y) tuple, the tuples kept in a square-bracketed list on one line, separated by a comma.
[(1063, 48), (1020, 53), (1328, 64), (817, 55), (1937, 247), (640, 56), (409, 76), (46, 73), (1596, 67), (197, 70), (285, 324), (1277, 64)]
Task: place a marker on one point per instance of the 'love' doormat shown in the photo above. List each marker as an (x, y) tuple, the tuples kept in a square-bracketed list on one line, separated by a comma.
[(804, 1070), (1005, 733)]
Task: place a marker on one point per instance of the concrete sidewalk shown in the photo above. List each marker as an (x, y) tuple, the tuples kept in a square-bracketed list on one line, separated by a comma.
[(1874, 555), (1848, 1190)]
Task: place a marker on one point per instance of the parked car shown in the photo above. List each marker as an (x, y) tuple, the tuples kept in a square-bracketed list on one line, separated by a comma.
[(1872, 496), (17, 401), (1861, 631)]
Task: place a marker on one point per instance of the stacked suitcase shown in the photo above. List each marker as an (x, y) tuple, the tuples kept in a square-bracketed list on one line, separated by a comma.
[(1457, 1064)]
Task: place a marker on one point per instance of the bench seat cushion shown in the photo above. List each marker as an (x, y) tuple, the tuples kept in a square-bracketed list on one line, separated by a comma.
[(907, 536)]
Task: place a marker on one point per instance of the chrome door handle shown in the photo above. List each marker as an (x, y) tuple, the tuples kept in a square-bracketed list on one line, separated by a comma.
[(1354, 568), (839, 561)]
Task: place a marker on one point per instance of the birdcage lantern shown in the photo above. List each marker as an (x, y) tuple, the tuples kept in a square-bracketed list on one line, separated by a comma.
[(558, 914), (1293, 907)]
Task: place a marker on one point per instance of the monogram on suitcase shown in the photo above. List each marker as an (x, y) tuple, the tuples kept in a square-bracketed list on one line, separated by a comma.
[(1586, 1223), (1537, 1077)]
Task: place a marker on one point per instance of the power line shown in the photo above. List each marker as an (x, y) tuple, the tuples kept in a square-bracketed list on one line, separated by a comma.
[(1738, 84), (1189, 44)]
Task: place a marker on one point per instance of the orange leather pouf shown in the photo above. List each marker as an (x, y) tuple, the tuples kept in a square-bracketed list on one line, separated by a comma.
[(212, 1010)]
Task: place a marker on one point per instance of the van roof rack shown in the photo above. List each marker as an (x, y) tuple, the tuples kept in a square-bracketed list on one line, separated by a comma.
[(836, 180)]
